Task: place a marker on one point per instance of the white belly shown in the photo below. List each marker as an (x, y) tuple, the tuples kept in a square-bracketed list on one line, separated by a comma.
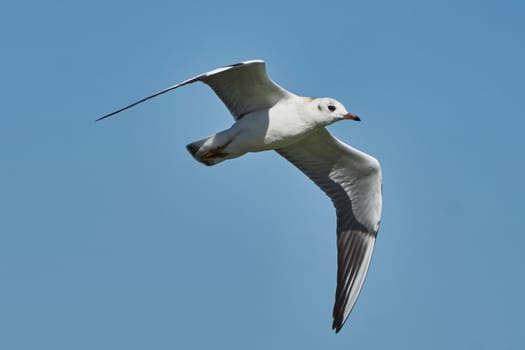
[(269, 129)]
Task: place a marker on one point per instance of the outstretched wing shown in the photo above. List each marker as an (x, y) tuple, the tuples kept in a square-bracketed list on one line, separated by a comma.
[(352, 179), (243, 88)]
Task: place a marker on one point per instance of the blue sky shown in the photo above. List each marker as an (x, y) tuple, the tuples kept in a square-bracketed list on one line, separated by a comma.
[(113, 237)]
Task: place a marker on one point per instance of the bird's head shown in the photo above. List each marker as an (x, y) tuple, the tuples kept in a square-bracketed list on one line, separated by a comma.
[(328, 110)]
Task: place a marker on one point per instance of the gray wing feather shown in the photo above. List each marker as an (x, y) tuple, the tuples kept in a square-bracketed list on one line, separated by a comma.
[(243, 87), (352, 179)]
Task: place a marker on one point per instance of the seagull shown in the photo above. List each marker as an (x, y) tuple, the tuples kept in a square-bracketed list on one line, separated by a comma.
[(268, 117)]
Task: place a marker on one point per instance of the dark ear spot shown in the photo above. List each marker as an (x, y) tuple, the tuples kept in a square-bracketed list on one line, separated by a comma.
[(319, 107)]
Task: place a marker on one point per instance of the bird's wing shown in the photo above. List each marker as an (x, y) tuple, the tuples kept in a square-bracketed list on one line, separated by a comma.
[(352, 179), (243, 87)]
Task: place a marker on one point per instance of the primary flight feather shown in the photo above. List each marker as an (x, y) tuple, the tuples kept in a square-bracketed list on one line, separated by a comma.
[(267, 117)]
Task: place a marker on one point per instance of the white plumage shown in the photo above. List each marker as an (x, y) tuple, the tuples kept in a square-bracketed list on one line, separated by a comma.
[(269, 117)]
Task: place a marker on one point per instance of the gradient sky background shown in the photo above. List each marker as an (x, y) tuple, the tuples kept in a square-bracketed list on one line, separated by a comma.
[(113, 237)]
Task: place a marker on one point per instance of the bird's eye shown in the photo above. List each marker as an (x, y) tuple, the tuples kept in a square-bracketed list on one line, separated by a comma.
[(331, 108)]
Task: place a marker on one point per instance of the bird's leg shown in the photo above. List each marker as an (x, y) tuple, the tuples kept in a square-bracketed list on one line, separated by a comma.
[(216, 152)]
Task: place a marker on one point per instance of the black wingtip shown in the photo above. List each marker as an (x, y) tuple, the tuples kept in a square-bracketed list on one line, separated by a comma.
[(148, 98), (105, 116), (336, 326), (118, 111)]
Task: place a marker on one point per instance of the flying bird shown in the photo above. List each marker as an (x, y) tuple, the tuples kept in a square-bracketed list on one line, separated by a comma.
[(268, 117)]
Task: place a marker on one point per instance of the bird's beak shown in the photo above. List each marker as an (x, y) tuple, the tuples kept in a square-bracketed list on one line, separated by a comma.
[(351, 116)]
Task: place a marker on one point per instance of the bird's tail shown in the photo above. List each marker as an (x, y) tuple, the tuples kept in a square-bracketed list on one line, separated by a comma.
[(201, 151)]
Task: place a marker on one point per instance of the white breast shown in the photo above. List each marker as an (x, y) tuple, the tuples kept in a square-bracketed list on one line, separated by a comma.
[(277, 127)]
